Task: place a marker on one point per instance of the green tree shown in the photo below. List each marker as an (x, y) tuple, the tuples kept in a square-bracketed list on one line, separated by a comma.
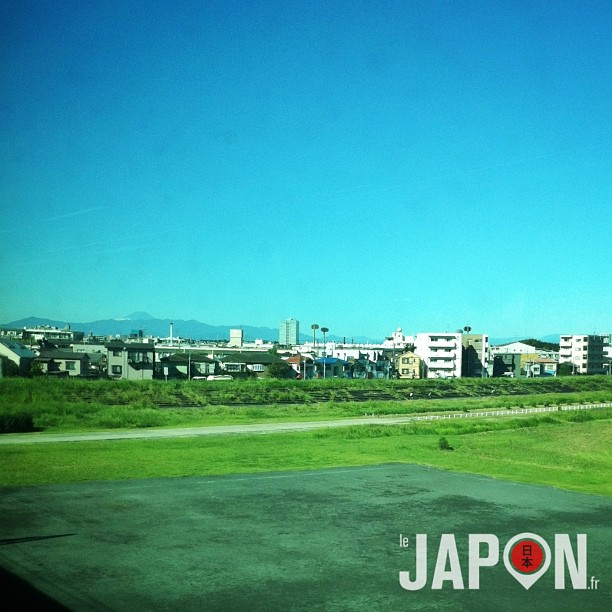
[(565, 369), (10, 368), (36, 369), (279, 369)]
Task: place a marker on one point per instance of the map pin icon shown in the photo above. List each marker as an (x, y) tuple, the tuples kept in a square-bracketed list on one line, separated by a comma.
[(527, 557)]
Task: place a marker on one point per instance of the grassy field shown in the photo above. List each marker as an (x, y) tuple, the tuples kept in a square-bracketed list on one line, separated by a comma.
[(556, 448), (77, 405), (567, 450)]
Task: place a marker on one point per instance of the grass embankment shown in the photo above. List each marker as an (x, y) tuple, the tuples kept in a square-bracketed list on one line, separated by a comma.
[(77, 405), (567, 450), (269, 391)]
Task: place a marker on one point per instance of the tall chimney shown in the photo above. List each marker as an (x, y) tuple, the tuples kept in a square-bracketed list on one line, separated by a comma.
[(171, 332)]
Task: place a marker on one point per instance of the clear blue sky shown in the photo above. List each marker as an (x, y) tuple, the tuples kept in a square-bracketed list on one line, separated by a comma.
[(362, 165)]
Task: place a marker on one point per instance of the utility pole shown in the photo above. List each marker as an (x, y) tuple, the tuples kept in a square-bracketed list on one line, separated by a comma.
[(314, 328), (324, 331)]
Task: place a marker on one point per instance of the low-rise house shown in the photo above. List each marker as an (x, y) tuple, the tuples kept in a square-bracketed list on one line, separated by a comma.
[(247, 363), (364, 362), (130, 360), (538, 367), (332, 367), (372, 364), (409, 365), (507, 364), (16, 358), (187, 365), (97, 364), (302, 365), (63, 363), (529, 365)]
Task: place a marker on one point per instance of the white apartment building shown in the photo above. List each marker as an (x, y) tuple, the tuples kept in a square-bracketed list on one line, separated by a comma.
[(587, 353), (441, 352)]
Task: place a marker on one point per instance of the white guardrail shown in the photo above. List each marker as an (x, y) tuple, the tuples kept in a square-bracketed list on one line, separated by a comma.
[(495, 413)]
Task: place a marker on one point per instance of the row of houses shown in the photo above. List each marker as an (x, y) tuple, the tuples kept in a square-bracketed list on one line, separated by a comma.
[(133, 360), (426, 355)]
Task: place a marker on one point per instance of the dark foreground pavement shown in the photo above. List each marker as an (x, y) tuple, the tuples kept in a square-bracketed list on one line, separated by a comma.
[(317, 540)]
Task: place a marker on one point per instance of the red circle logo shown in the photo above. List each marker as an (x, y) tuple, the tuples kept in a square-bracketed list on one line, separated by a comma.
[(527, 556)]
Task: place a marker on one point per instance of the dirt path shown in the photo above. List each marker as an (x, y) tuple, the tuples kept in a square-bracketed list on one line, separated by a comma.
[(211, 430), (268, 428)]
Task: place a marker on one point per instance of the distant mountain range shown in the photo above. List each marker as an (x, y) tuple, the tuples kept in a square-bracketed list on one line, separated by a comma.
[(195, 330), (150, 326)]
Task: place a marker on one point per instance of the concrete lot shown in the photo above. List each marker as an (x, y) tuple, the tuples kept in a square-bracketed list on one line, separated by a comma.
[(316, 540)]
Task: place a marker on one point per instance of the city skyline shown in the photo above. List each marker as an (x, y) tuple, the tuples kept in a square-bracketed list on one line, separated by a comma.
[(149, 326), (423, 165)]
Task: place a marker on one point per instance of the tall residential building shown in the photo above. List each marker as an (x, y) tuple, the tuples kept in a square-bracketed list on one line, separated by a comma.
[(585, 353), (289, 332), (475, 355), (441, 352), (236, 338)]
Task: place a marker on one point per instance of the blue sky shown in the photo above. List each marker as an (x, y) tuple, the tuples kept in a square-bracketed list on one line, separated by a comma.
[(362, 165)]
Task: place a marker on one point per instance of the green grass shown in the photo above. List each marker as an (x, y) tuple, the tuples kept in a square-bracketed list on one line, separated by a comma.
[(556, 450), (57, 409)]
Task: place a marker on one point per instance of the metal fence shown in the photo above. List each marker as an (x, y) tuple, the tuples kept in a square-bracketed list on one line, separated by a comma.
[(513, 411)]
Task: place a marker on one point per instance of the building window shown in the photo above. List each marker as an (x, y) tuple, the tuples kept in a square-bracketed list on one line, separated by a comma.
[(405, 360), (71, 365), (116, 369), (117, 353), (258, 367), (232, 367)]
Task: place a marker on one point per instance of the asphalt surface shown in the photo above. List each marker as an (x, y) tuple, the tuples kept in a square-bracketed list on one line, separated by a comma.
[(323, 540)]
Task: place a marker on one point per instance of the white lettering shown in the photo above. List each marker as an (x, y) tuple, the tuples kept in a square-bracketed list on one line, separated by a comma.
[(476, 561), (447, 550), (421, 566), (577, 569)]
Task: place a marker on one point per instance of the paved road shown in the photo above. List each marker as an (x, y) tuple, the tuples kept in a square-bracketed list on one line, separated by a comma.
[(267, 428)]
